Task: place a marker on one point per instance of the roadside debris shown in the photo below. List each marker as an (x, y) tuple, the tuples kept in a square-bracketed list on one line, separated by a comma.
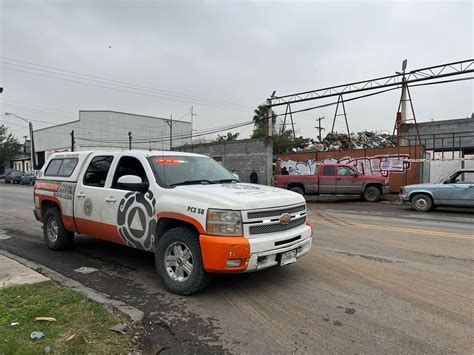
[(359, 140), (3, 235), (119, 328), (14, 324), (36, 335), (46, 319), (85, 270), (47, 349), (71, 337)]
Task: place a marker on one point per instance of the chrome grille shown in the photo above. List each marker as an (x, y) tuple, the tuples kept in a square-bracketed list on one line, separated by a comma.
[(273, 213), (276, 227)]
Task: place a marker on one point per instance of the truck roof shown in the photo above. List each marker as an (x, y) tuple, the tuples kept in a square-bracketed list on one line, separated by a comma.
[(146, 153)]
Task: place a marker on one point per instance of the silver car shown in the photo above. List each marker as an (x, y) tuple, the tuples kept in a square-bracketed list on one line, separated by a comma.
[(457, 190)]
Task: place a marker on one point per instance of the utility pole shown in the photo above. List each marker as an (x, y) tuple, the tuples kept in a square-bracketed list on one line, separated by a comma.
[(404, 94), (32, 144), (269, 141), (319, 128), (129, 140), (170, 124), (192, 123), (72, 141)]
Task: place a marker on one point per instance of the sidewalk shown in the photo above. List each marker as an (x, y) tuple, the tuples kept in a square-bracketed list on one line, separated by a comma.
[(14, 273)]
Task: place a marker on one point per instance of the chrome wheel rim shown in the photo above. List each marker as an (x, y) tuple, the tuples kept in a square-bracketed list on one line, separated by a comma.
[(52, 230), (421, 204), (179, 261), (371, 194)]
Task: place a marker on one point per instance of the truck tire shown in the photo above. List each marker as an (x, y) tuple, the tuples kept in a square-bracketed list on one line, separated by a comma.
[(422, 203), (55, 235), (371, 194), (179, 262), (297, 189)]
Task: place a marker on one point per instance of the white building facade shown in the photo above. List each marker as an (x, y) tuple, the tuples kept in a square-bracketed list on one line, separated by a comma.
[(104, 130)]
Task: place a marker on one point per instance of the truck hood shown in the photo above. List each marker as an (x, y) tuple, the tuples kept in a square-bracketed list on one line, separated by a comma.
[(421, 186), (238, 196)]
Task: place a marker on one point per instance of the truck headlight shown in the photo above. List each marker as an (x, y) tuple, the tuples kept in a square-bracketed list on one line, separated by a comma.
[(224, 222)]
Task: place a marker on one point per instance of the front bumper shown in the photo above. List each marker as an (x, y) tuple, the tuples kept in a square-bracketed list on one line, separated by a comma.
[(254, 253), (404, 198)]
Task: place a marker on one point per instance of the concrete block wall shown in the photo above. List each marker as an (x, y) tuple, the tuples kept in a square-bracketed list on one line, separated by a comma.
[(442, 131), (241, 155)]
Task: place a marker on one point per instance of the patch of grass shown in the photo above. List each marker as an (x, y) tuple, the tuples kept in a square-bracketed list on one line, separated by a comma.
[(74, 313)]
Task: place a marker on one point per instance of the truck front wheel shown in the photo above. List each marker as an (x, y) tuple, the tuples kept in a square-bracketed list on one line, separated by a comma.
[(422, 203), (371, 194), (55, 235), (179, 262)]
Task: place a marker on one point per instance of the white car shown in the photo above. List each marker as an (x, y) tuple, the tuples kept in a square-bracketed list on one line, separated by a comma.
[(186, 208)]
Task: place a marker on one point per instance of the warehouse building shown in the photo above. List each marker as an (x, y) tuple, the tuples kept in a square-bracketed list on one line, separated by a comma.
[(104, 130)]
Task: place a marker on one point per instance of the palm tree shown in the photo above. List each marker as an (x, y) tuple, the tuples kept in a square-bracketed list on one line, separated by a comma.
[(260, 121)]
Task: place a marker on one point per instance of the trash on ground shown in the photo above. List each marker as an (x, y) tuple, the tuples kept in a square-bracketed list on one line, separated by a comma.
[(85, 270), (119, 328), (14, 324), (47, 349), (36, 335), (46, 319), (72, 337)]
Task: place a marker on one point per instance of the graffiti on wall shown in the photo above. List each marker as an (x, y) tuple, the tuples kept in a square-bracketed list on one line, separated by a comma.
[(380, 165)]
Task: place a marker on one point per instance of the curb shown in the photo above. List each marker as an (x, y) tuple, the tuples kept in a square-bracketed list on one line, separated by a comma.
[(133, 313)]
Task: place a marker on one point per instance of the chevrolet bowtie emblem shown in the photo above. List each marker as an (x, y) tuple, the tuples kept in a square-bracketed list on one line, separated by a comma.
[(285, 219)]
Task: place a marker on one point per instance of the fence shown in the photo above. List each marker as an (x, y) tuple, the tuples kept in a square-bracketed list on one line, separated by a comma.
[(402, 165)]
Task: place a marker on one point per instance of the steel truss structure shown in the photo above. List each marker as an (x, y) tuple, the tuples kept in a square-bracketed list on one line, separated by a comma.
[(414, 76), (401, 80)]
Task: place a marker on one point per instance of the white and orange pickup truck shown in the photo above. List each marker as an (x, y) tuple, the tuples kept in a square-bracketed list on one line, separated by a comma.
[(190, 211)]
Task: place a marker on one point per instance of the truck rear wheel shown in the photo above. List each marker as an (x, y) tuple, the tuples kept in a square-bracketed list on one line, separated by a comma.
[(297, 189), (179, 262), (371, 194), (55, 235)]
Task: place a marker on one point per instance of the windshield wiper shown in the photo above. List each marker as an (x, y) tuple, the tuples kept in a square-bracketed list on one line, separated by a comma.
[(192, 182), (223, 181)]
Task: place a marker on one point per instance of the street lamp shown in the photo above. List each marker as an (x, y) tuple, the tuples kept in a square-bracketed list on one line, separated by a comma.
[(32, 148)]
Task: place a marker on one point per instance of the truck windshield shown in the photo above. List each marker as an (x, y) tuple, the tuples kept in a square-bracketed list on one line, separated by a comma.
[(171, 171)]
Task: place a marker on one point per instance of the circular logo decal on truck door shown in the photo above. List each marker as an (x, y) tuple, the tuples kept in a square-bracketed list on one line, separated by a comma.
[(136, 219)]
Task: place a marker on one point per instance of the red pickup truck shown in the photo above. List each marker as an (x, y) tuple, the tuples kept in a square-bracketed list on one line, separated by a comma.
[(336, 179)]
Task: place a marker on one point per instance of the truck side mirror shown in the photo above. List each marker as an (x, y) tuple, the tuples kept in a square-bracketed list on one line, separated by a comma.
[(133, 183)]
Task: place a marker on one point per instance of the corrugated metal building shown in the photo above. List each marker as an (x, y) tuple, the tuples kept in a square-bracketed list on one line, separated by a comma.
[(109, 130)]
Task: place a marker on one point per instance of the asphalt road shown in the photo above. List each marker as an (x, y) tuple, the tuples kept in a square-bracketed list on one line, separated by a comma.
[(380, 278)]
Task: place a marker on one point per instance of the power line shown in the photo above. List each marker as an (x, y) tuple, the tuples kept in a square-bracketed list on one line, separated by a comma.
[(120, 87), (122, 82)]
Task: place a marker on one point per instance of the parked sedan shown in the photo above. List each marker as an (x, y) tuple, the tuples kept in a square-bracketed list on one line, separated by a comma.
[(29, 178), (13, 177), (457, 190)]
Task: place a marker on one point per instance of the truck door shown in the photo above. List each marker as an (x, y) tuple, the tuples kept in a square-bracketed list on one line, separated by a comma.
[(89, 196), (327, 179), (459, 191), (347, 182), (132, 212)]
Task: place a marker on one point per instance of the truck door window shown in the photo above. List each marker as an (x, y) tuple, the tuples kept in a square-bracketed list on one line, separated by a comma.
[(328, 170), (97, 171), (128, 166), (345, 171)]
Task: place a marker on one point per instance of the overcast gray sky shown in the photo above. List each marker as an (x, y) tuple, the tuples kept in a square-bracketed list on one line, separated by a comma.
[(230, 54)]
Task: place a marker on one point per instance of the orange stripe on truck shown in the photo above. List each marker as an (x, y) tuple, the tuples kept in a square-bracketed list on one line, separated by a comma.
[(99, 230), (182, 217), (68, 221)]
